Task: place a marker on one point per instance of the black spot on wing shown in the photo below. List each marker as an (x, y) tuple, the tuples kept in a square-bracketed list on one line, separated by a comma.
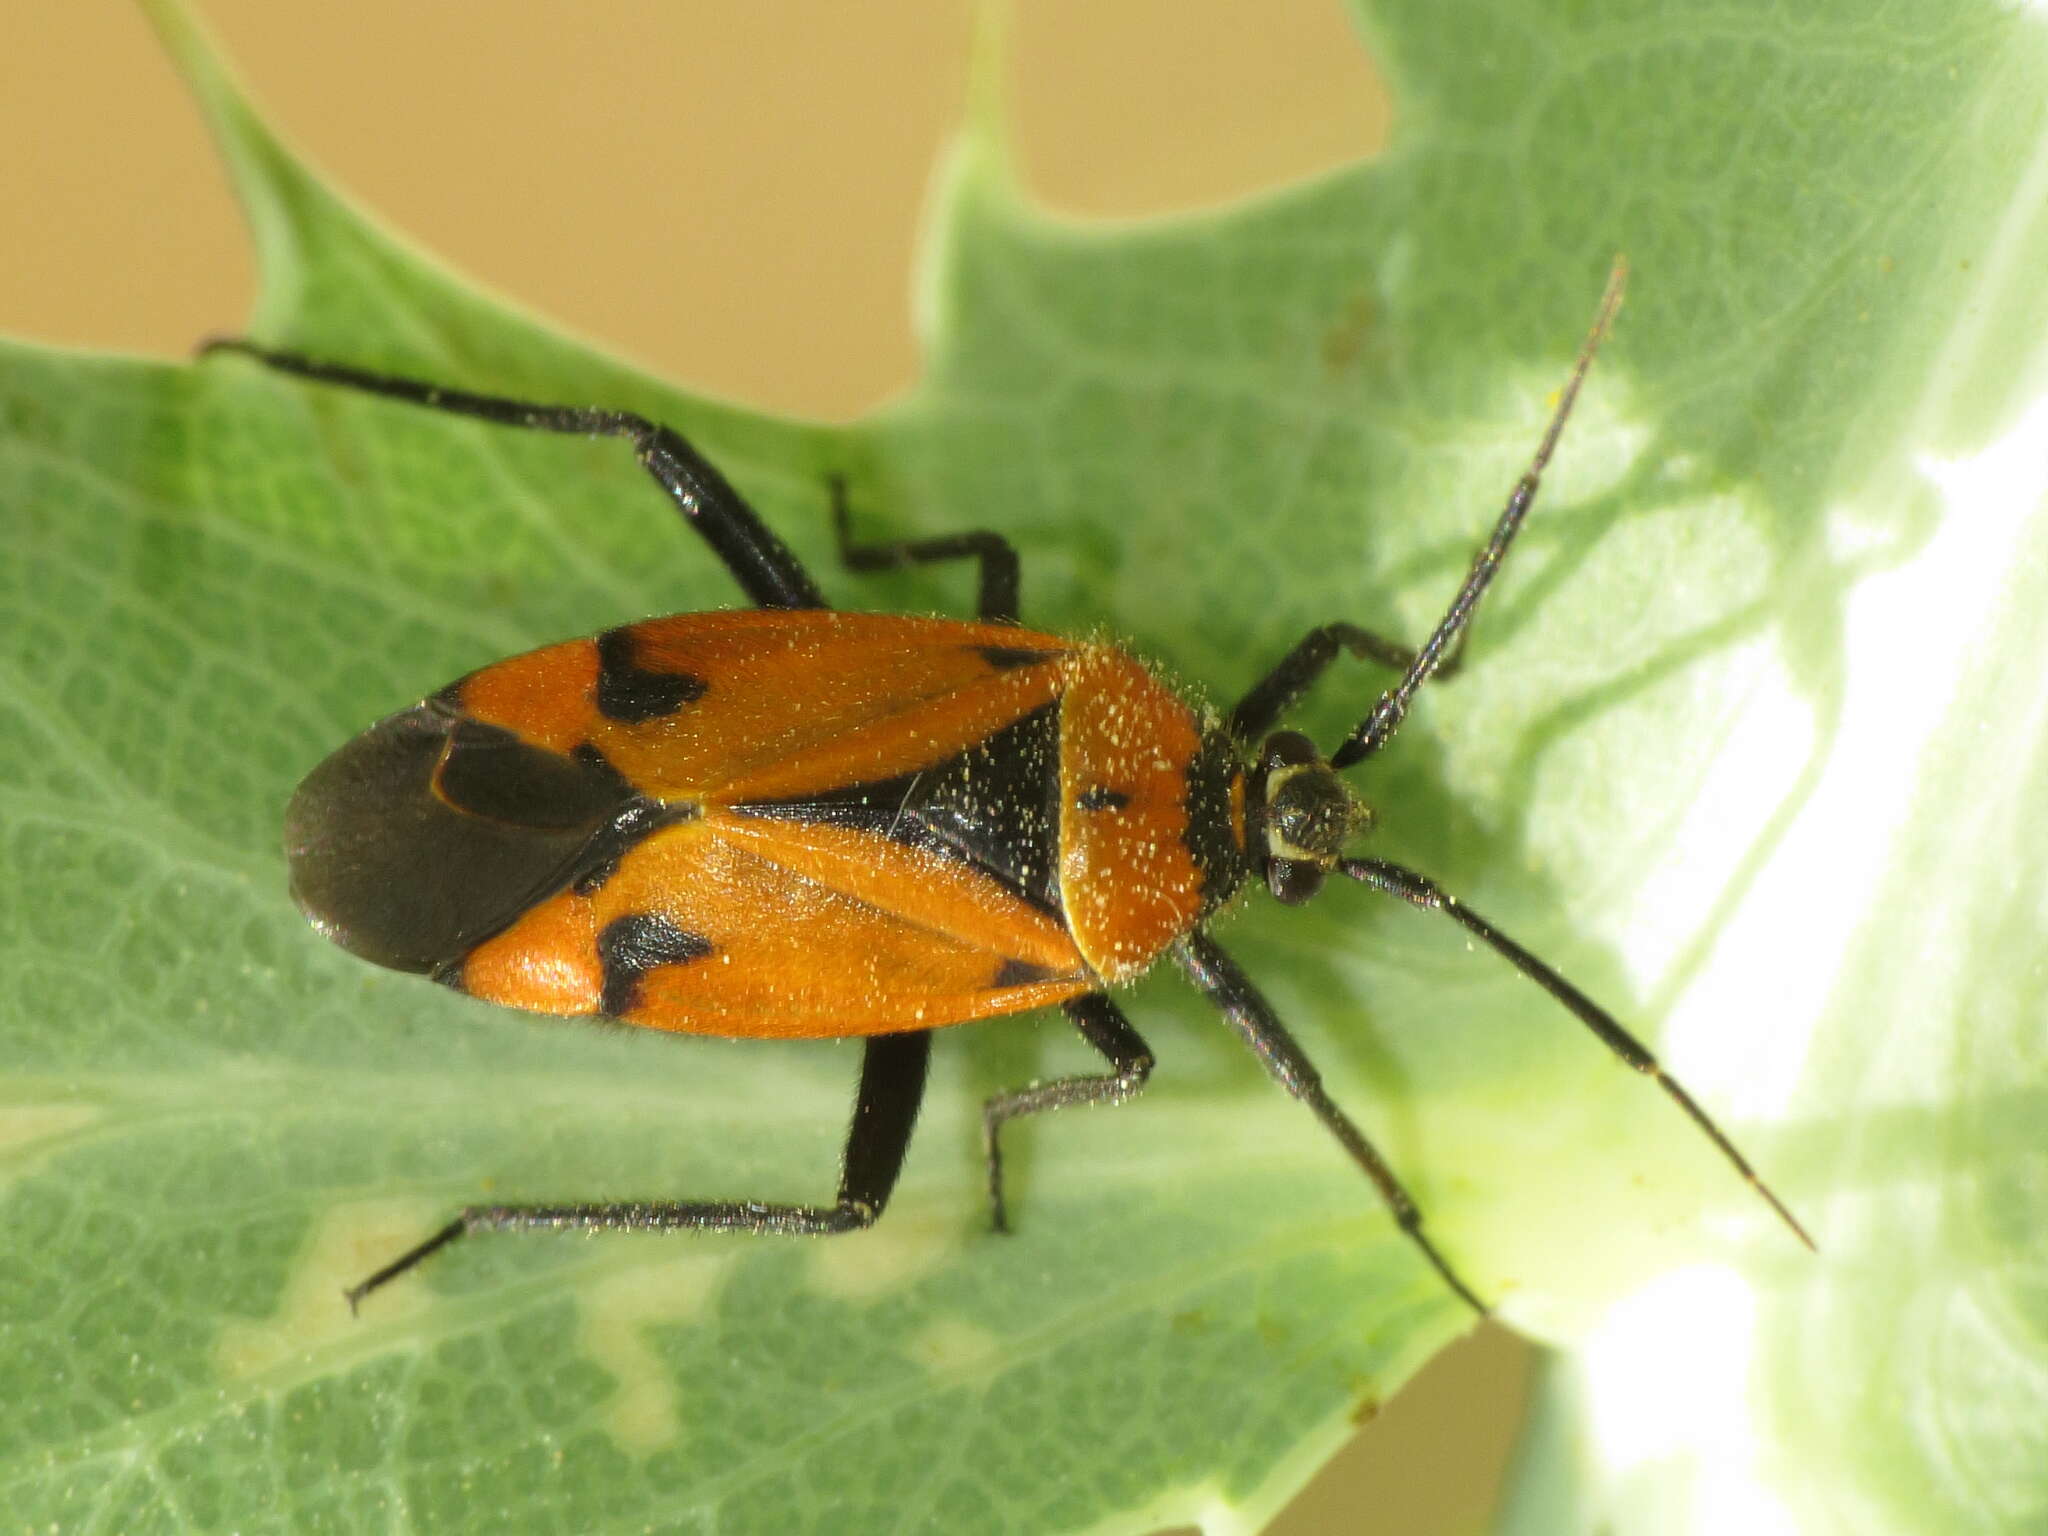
[(629, 693), (1007, 658), (1100, 797), (1021, 973), (631, 946)]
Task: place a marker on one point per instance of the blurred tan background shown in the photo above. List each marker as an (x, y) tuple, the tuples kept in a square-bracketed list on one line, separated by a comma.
[(729, 195)]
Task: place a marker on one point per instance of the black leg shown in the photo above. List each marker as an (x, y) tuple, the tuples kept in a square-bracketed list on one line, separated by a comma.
[(1423, 892), (1103, 1026), (997, 598), (1278, 691), (884, 1112), (1256, 1024), (1373, 732), (759, 561)]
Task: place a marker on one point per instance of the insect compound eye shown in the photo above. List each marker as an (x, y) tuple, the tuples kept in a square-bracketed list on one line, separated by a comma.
[(1293, 881)]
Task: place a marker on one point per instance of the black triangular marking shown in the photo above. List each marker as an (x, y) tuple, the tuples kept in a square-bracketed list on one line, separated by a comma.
[(994, 807), (630, 694), (631, 946), (1021, 973), (1006, 658)]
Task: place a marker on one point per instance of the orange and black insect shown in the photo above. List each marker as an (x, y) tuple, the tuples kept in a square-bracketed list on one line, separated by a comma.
[(797, 822)]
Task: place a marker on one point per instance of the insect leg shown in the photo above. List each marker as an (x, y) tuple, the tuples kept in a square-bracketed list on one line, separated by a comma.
[(1419, 890), (885, 1110), (1278, 691), (1103, 1025), (1260, 1028), (759, 561), (997, 599)]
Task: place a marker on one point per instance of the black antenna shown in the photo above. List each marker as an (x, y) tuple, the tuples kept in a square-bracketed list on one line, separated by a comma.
[(1373, 731), (1419, 890)]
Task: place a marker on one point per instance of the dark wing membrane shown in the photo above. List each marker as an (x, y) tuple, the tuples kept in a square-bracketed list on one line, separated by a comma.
[(432, 831)]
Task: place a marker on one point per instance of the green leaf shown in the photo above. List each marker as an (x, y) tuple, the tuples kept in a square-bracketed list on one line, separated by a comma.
[(1750, 744)]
